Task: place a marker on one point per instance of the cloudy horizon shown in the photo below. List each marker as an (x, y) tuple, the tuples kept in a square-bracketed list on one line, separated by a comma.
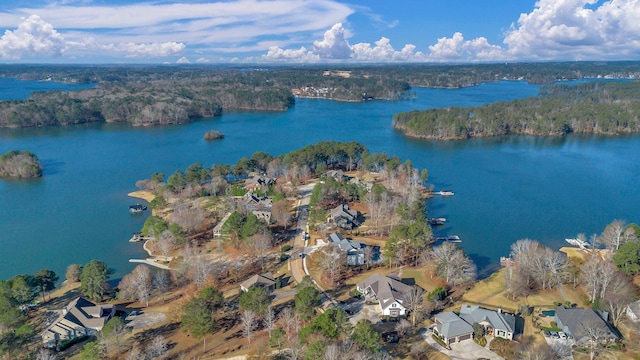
[(317, 31)]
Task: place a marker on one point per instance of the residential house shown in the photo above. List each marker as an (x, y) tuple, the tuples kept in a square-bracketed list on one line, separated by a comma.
[(633, 311), (263, 215), (451, 326), (252, 202), (344, 217), (338, 175), (258, 182), (579, 323), (354, 249), (264, 280), (80, 317), (389, 291)]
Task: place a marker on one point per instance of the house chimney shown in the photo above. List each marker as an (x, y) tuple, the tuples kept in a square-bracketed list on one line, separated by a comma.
[(499, 309)]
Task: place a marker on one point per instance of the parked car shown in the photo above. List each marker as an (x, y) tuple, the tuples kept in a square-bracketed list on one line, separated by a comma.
[(554, 334), (547, 333), (562, 335)]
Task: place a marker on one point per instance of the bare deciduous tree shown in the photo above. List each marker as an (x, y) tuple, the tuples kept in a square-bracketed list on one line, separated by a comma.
[(280, 213), (597, 275), (403, 326), (333, 352), (248, 318), (137, 285), (46, 354), (594, 337), (368, 256), (157, 348), (615, 235), (452, 264), (261, 242), (161, 282), (287, 316), (165, 243), (333, 261), (619, 296), (135, 354), (269, 320), (414, 302)]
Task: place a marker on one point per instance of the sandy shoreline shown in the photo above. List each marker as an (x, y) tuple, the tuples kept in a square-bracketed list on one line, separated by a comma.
[(145, 195)]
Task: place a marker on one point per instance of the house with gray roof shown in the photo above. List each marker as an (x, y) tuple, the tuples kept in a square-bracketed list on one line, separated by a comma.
[(451, 326), (344, 217), (389, 291), (252, 202), (80, 317), (258, 182), (354, 249), (265, 280), (580, 323)]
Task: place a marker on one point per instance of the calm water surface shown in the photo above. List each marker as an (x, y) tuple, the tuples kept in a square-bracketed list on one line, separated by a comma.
[(505, 188)]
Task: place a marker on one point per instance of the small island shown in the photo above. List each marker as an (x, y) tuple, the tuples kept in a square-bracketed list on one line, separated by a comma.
[(20, 164), (213, 135)]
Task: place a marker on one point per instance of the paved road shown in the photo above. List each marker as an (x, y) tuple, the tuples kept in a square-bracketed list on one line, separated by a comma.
[(302, 210), (464, 350)]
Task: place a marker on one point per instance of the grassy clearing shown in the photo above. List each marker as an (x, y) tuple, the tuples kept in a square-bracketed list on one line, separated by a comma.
[(491, 291)]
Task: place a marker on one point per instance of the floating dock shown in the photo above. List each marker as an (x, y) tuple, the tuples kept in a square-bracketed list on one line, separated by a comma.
[(450, 238), (137, 237), (137, 208), (437, 221), (579, 243)]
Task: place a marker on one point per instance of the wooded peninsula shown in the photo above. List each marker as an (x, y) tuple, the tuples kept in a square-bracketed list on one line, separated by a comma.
[(595, 107)]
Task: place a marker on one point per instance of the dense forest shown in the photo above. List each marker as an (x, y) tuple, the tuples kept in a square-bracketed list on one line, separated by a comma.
[(150, 95), (20, 164), (593, 107)]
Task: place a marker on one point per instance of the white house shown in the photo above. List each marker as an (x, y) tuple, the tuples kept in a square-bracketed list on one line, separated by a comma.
[(389, 291)]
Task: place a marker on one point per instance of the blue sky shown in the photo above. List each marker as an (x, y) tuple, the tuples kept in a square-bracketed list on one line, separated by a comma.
[(317, 31)]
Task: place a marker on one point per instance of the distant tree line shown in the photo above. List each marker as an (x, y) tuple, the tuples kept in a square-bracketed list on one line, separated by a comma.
[(172, 95), (594, 107)]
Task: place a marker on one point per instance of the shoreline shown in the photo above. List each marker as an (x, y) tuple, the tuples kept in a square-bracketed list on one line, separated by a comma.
[(145, 195)]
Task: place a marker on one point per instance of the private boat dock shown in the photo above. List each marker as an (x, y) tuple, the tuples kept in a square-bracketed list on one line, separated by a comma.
[(137, 208), (450, 238), (442, 192), (137, 237), (437, 221), (579, 243)]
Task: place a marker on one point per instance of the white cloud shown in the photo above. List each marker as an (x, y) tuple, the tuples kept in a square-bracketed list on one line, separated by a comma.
[(183, 60), (576, 29), (229, 25), (384, 52), (456, 49), (203, 60), (334, 45), (36, 37), (146, 50), (32, 37), (290, 55)]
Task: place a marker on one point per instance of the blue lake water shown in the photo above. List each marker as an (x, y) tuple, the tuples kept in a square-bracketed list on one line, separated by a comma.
[(505, 188)]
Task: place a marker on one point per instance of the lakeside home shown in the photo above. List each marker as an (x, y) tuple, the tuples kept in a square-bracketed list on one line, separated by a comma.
[(80, 317)]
